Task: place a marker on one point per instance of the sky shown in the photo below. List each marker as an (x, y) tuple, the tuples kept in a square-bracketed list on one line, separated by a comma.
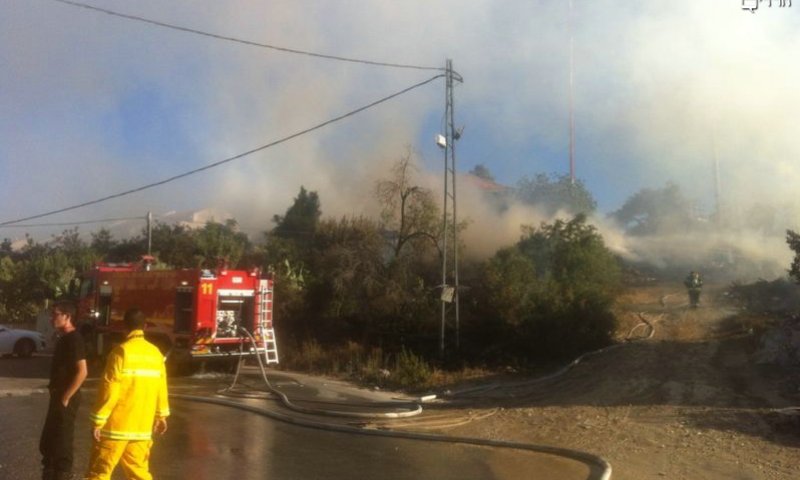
[(92, 104)]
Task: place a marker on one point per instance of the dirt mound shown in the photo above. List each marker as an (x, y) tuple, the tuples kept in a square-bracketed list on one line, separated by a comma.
[(681, 396)]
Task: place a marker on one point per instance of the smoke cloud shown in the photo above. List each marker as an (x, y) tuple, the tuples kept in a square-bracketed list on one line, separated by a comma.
[(93, 105)]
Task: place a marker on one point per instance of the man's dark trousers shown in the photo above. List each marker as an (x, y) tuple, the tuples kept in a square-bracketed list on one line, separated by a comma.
[(57, 434)]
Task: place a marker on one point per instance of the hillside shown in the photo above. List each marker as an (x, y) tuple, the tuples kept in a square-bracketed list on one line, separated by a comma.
[(686, 400)]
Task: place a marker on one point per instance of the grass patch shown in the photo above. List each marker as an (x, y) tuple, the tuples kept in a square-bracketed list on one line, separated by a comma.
[(373, 367)]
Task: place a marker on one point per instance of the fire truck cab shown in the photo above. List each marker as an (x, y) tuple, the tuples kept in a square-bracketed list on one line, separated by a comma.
[(193, 314)]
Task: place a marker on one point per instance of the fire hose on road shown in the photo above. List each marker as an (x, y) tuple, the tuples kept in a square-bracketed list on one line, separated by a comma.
[(407, 410), (601, 469)]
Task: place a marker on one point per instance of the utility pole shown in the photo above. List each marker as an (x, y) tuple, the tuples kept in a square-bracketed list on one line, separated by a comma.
[(450, 291), (149, 232)]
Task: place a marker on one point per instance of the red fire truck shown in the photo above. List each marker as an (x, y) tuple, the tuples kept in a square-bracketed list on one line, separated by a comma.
[(193, 314)]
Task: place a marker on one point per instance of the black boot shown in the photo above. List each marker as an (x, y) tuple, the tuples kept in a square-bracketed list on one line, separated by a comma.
[(48, 474), (61, 475)]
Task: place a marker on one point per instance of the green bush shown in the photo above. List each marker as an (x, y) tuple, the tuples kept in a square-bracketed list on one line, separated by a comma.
[(410, 371), (548, 297)]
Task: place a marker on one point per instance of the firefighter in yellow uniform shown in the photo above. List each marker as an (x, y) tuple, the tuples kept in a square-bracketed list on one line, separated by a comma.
[(131, 405)]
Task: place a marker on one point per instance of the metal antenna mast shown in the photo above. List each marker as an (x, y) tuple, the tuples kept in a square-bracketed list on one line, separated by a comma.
[(717, 190), (450, 292), (571, 101)]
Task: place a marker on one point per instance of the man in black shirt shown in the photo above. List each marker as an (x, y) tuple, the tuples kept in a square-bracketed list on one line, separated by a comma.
[(67, 373)]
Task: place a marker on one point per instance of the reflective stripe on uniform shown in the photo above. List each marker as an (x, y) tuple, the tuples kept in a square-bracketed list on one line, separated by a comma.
[(125, 435), (133, 392), (98, 418), (140, 372)]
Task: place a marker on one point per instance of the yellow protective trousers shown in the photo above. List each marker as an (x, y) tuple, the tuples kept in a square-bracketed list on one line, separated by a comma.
[(132, 455)]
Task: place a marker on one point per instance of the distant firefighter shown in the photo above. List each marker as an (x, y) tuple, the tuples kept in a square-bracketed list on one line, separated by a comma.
[(694, 283)]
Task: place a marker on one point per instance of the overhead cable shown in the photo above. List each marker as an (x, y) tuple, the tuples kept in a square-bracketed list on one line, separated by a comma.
[(229, 159), (245, 42), (69, 224)]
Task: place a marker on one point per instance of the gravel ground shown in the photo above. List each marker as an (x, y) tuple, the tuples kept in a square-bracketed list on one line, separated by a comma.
[(688, 403)]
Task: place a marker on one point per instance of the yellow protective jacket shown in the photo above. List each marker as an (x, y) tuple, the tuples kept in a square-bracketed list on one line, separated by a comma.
[(133, 391)]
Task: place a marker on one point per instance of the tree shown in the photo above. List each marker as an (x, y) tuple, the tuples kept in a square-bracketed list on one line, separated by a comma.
[(287, 247), (510, 276), (408, 212), (288, 243), (103, 242), (78, 254), (348, 261), (128, 250), (793, 239), (14, 302), (300, 220), (174, 245), (5, 248), (481, 171), (572, 255), (46, 275), (40, 272), (217, 241), (650, 211), (549, 296), (551, 194)]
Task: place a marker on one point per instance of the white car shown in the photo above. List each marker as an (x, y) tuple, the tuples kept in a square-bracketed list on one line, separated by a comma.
[(21, 343)]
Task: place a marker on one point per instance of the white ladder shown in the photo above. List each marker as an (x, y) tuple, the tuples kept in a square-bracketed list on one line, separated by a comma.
[(265, 328)]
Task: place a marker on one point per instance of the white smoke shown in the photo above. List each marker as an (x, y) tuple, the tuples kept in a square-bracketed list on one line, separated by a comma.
[(94, 105)]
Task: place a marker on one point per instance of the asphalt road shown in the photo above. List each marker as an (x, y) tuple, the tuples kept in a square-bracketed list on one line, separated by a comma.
[(212, 442)]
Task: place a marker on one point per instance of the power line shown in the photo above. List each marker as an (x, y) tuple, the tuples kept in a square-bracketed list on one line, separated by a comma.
[(69, 224), (230, 159), (244, 42)]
